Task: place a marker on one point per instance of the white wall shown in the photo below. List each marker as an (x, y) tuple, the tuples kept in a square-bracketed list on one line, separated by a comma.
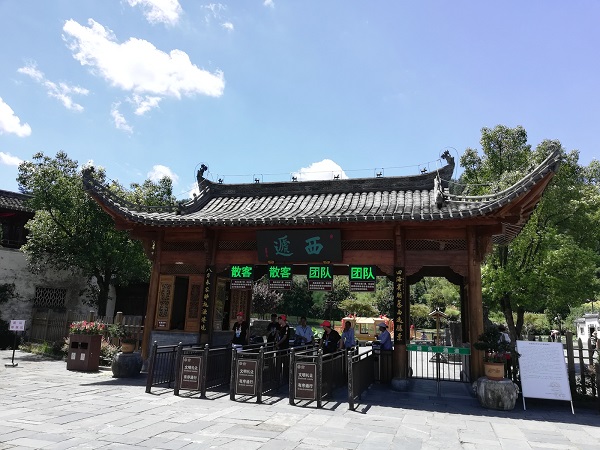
[(13, 269)]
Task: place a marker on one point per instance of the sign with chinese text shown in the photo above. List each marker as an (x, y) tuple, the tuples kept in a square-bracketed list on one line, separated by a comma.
[(320, 278), (191, 368), (242, 276), (17, 325), (280, 278), (362, 278), (246, 377), (299, 245), (399, 305), (305, 382)]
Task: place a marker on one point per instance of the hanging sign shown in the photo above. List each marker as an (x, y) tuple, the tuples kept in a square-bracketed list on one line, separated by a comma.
[(362, 278), (299, 245), (242, 276), (320, 278), (280, 278)]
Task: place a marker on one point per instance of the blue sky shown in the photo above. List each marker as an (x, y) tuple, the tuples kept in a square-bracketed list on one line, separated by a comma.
[(264, 89)]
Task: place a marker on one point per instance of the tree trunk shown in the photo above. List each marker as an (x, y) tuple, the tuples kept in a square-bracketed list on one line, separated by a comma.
[(103, 291)]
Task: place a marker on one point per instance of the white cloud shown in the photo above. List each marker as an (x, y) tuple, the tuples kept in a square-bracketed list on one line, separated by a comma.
[(119, 119), (228, 26), (9, 123), (322, 170), (269, 3), (9, 160), (158, 172), (143, 104), (159, 11), (61, 91), (138, 66)]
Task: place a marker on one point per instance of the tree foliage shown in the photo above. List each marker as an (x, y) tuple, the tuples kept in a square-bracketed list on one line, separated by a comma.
[(265, 300), (71, 232), (299, 300), (552, 264)]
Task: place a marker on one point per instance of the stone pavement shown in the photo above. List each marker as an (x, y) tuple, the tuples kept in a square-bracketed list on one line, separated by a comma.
[(42, 405)]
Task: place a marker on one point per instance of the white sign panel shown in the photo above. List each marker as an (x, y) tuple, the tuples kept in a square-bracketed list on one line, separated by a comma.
[(17, 325), (543, 370)]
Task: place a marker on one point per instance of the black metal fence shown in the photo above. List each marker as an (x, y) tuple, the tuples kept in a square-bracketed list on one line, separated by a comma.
[(360, 375), (161, 366), (438, 363)]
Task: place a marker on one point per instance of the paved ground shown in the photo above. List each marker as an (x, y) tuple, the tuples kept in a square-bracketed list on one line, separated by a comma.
[(42, 405)]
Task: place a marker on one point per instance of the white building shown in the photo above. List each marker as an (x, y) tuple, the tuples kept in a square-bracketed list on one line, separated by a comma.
[(586, 325)]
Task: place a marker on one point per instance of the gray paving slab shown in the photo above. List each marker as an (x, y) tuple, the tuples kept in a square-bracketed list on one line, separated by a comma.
[(42, 405)]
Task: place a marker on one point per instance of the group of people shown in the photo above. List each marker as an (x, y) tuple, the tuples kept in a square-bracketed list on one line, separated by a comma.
[(278, 333)]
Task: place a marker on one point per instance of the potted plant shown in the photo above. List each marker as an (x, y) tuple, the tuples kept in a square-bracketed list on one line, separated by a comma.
[(126, 339), (495, 352), (84, 345)]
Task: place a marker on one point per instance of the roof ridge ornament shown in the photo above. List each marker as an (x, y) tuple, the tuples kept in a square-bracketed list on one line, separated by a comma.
[(439, 194)]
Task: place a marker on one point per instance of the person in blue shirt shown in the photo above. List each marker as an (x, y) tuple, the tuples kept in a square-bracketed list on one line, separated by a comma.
[(304, 333), (348, 340), (385, 339)]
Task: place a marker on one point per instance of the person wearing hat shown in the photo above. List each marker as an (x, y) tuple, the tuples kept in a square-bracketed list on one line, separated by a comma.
[(385, 339), (240, 331), (331, 338), (283, 336)]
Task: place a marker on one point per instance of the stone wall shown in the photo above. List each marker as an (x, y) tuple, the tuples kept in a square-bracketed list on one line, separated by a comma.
[(14, 270)]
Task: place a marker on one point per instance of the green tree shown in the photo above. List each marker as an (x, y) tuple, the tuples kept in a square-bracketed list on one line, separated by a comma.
[(299, 300), (264, 299), (71, 232), (384, 296), (552, 263), (360, 306)]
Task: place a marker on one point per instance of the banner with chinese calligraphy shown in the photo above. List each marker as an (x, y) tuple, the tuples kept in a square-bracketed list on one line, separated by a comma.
[(362, 278), (299, 245), (320, 278), (242, 276), (280, 278), (208, 278), (399, 305)]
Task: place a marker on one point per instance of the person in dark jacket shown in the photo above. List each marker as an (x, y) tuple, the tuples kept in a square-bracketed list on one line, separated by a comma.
[(240, 331), (331, 338)]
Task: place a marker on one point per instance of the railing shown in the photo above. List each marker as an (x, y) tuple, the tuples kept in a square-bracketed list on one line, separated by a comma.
[(314, 376), (162, 366), (201, 368), (439, 363), (360, 375)]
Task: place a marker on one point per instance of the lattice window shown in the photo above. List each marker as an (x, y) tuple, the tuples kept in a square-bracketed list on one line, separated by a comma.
[(195, 293), (49, 297), (180, 269), (437, 245), (375, 244), (237, 245), (183, 246)]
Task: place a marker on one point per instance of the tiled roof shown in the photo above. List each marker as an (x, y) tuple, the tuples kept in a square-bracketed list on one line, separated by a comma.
[(416, 198), (14, 201)]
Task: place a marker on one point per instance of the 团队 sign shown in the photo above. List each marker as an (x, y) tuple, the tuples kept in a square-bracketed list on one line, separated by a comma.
[(362, 278), (320, 278)]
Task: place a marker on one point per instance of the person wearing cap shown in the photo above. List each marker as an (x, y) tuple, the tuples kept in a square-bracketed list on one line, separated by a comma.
[(283, 336), (304, 333), (240, 331), (331, 338), (385, 339), (272, 329)]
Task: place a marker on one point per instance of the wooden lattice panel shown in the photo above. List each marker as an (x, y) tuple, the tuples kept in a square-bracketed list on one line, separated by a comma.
[(237, 245), (436, 245), (194, 305), (164, 300), (191, 246), (376, 244)]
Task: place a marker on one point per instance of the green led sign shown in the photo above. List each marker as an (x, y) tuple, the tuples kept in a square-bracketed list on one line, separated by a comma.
[(280, 278), (241, 276), (362, 278), (320, 278)]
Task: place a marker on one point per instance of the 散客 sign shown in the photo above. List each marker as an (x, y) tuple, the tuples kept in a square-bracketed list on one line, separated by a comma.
[(242, 276), (280, 277)]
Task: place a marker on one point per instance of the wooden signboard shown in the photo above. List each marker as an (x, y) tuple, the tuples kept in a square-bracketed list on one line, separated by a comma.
[(543, 371), (191, 369), (246, 377), (305, 382)]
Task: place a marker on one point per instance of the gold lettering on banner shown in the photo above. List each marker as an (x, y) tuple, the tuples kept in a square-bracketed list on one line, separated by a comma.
[(205, 297)]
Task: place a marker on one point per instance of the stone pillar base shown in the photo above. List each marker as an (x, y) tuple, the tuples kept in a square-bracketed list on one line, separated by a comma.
[(125, 365), (501, 395)]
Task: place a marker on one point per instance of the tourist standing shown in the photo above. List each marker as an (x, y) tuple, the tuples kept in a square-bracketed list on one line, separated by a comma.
[(272, 329), (331, 338), (347, 340), (240, 332), (385, 339), (304, 333)]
